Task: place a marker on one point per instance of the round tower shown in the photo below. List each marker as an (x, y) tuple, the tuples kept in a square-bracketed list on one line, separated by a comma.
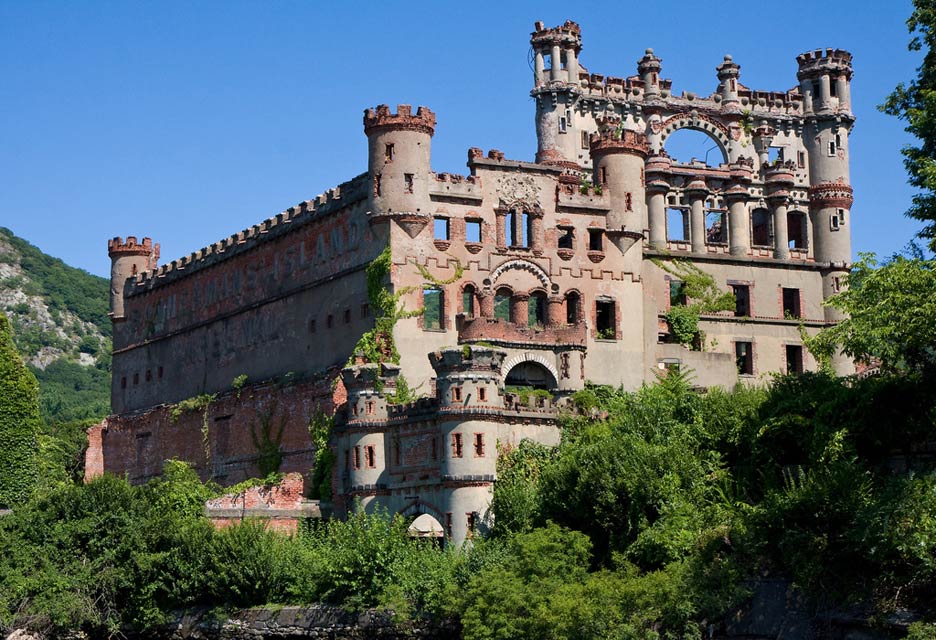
[(648, 68), (825, 77), (398, 160), (618, 157), (728, 73), (128, 258), (557, 131)]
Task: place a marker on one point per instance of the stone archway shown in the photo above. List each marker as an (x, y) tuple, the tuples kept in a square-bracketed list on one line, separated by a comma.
[(522, 265), (530, 370), (717, 131)]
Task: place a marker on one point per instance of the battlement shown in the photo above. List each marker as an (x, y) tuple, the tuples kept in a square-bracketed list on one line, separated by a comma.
[(780, 172), (467, 358), (382, 119), (619, 141), (305, 212), (568, 33), (131, 247), (821, 61)]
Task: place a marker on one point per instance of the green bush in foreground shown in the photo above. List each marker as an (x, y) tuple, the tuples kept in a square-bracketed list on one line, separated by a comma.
[(19, 422)]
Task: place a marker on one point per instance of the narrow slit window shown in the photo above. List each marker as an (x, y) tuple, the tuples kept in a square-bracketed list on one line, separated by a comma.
[(388, 152), (479, 445), (744, 358), (357, 457), (408, 182), (456, 445), (370, 456)]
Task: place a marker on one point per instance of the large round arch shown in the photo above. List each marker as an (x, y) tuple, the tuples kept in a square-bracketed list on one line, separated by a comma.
[(697, 122), (530, 370)]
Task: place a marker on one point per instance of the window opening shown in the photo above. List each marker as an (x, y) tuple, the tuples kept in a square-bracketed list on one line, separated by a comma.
[(572, 308), (604, 319), (518, 229), (629, 201), (357, 457), (479, 445), (791, 303), (456, 445), (744, 358), (801, 159), (716, 231), (347, 316), (388, 152), (566, 238), (742, 294), (585, 141), (408, 182), (472, 231), (370, 456), (312, 325), (482, 394), (432, 308), (365, 310), (677, 225), (456, 394), (536, 310), (677, 293), (440, 229), (794, 358), (377, 185), (502, 305), (595, 242), (760, 228), (562, 124), (796, 228), (774, 154), (468, 296)]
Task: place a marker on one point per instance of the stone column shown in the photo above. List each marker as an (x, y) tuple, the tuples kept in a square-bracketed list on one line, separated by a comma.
[(781, 235), (538, 69), (555, 311), (536, 231), (697, 192), (844, 96), (556, 63), (657, 215), (739, 227), (520, 309), (486, 304), (572, 65), (824, 91), (501, 217)]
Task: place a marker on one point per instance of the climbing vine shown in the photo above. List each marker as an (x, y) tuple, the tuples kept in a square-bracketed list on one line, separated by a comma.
[(198, 403), (267, 444), (19, 422), (320, 426), (702, 296)]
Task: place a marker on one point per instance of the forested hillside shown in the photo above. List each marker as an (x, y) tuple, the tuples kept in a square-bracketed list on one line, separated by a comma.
[(60, 327)]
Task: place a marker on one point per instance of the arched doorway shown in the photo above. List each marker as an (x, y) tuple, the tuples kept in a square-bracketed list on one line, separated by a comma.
[(529, 374)]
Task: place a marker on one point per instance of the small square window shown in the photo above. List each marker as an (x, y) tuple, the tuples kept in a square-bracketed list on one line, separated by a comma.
[(440, 229), (472, 231)]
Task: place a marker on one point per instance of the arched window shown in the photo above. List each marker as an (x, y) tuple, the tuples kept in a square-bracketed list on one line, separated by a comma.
[(573, 307), (536, 309), (468, 301), (760, 228), (687, 145), (502, 304)]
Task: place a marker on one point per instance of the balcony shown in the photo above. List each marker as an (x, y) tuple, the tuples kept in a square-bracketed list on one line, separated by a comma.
[(497, 331)]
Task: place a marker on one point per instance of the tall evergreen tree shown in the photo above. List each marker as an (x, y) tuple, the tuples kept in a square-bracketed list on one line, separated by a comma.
[(916, 103), (19, 422)]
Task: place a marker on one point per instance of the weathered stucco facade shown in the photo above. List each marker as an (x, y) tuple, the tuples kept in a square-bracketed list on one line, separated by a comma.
[(567, 267)]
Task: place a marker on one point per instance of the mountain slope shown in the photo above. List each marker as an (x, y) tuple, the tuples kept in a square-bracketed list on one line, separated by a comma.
[(60, 326)]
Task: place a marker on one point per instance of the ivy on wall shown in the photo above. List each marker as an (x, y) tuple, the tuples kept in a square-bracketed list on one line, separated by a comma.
[(702, 296), (19, 422)]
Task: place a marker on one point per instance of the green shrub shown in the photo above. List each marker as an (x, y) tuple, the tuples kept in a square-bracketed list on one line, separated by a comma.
[(19, 422)]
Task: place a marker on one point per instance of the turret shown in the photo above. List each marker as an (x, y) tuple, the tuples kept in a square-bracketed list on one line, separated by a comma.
[(648, 68), (618, 159), (399, 151), (554, 89), (128, 258), (728, 72), (825, 77)]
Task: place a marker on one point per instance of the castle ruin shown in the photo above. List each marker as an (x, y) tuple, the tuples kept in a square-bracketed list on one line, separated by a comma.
[(538, 274)]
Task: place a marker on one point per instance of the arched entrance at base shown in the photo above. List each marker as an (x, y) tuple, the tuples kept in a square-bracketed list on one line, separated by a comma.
[(530, 373)]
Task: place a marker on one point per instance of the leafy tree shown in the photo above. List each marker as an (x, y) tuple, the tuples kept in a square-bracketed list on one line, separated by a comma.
[(891, 315), (19, 422), (916, 103)]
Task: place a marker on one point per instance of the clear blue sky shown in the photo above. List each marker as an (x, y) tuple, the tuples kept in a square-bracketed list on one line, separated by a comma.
[(189, 121)]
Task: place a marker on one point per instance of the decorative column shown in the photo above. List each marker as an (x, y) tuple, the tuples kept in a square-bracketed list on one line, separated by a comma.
[(556, 62), (501, 219), (697, 192), (843, 92), (824, 92), (536, 239), (739, 221), (539, 68), (555, 311), (779, 180), (657, 171), (520, 309), (572, 65), (486, 303)]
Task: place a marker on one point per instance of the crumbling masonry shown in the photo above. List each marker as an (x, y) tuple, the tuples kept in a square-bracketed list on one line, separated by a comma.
[(571, 264)]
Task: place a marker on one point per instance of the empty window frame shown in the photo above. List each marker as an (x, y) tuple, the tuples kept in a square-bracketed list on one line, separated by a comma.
[(408, 182), (370, 456), (677, 293), (472, 230), (794, 358), (605, 321), (433, 304), (796, 229), (573, 308), (518, 229), (837, 220), (585, 141), (801, 159), (742, 294), (502, 305), (357, 457), (457, 448), (791, 303), (595, 240), (536, 309), (468, 301), (440, 228), (388, 152), (677, 225), (566, 238), (775, 154), (456, 394), (716, 231), (760, 228), (744, 358)]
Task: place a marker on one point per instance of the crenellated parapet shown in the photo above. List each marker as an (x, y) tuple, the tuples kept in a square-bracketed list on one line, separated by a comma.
[(813, 64), (382, 119), (620, 141), (131, 247), (566, 34)]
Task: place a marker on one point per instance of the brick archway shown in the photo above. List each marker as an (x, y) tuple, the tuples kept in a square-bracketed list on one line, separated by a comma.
[(522, 358), (523, 265)]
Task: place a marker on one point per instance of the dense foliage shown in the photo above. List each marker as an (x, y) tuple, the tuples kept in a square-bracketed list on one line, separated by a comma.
[(70, 392), (916, 103), (19, 422), (644, 522)]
